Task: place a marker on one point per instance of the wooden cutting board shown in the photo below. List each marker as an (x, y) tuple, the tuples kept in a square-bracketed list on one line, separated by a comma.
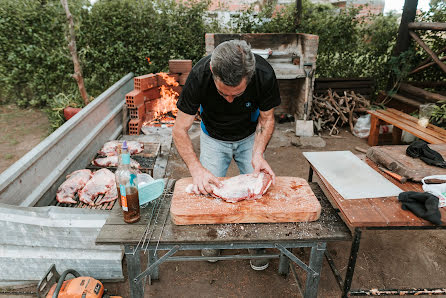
[(289, 200)]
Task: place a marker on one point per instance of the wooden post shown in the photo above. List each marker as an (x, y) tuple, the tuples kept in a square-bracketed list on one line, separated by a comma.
[(408, 16), (402, 41), (375, 122), (298, 17), (72, 46)]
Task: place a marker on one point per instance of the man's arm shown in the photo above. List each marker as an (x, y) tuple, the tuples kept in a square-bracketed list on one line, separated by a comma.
[(201, 176), (264, 131)]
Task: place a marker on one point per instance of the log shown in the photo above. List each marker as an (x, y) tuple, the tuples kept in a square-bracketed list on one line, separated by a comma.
[(436, 26), (403, 99), (428, 50), (427, 95), (429, 84), (427, 65), (430, 58)]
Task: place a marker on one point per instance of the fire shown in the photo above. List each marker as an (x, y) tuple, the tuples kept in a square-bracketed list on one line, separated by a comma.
[(167, 102), (164, 109)]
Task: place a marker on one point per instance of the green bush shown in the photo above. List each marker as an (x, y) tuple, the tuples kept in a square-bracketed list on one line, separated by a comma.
[(115, 37)]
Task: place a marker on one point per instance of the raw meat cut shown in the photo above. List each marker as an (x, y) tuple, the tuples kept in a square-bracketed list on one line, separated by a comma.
[(111, 148), (112, 161), (75, 181), (102, 182), (241, 187), (109, 196)]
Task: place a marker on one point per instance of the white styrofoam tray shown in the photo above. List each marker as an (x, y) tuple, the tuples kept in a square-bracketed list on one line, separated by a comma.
[(350, 176)]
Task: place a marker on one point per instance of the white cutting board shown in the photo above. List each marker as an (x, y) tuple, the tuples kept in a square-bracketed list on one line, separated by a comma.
[(350, 176)]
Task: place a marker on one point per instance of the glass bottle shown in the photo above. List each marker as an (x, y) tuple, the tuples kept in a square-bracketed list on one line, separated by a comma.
[(127, 187)]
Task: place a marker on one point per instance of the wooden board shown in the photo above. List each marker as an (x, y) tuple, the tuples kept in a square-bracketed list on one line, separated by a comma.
[(395, 159), (289, 200)]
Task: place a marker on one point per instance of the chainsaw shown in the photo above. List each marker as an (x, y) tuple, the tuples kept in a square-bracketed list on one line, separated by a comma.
[(54, 285)]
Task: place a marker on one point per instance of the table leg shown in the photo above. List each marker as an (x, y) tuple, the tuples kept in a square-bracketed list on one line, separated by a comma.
[(316, 259), (133, 270), (310, 174), (352, 262), (153, 257), (396, 135), (375, 122), (284, 265)]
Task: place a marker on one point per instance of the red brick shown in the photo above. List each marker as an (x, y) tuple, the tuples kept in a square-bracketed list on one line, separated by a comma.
[(145, 82), (161, 80), (180, 66), (134, 98), (138, 113), (135, 126), (152, 93), (182, 79)]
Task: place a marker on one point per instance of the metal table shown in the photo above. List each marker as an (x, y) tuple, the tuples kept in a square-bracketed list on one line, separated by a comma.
[(172, 238), (374, 214)]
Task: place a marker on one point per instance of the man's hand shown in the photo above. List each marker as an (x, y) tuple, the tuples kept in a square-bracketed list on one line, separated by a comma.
[(202, 179), (259, 164)]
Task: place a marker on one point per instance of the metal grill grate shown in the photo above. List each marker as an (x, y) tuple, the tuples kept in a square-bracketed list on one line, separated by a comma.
[(105, 206)]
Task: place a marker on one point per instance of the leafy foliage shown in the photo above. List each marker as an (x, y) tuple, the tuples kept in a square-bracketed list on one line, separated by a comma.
[(115, 37)]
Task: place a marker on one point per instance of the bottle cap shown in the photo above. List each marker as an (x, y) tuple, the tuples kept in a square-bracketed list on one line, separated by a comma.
[(124, 145)]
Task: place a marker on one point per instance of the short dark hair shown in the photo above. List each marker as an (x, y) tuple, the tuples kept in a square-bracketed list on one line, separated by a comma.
[(231, 61)]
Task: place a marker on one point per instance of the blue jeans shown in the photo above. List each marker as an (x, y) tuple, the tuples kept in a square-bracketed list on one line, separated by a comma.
[(216, 155)]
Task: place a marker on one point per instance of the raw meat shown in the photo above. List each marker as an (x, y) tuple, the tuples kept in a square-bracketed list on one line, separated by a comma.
[(112, 161), (109, 196), (241, 187), (102, 182), (75, 181), (111, 148)]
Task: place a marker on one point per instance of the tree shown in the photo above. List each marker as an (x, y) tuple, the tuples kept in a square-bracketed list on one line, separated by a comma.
[(72, 46)]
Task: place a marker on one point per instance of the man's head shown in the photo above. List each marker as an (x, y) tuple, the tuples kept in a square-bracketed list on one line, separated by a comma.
[(233, 65)]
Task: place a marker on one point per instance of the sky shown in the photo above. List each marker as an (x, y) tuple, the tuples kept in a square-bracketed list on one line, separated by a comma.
[(397, 5)]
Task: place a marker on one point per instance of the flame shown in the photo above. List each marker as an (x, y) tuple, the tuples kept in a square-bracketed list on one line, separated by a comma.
[(169, 80), (167, 102), (165, 108)]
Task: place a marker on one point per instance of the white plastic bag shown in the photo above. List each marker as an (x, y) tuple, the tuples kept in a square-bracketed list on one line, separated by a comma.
[(362, 127), (438, 190)]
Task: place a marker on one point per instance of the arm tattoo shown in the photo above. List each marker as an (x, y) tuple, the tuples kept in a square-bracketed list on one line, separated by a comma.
[(260, 129)]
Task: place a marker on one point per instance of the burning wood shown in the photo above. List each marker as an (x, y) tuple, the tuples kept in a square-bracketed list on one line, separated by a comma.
[(164, 109), (331, 111)]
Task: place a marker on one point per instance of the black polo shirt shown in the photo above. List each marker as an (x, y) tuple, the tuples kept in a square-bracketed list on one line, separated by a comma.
[(223, 120)]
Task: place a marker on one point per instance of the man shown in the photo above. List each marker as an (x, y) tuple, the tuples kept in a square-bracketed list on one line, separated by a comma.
[(236, 93)]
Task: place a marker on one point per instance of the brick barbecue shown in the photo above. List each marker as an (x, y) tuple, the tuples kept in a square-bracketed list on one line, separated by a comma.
[(153, 100)]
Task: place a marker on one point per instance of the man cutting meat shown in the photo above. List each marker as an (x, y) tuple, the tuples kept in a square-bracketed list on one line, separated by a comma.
[(236, 92)]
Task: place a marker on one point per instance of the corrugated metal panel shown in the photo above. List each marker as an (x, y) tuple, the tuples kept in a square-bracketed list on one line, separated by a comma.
[(33, 238), (36, 176)]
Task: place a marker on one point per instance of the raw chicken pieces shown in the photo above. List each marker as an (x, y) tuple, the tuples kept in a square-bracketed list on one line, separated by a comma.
[(112, 161), (75, 182), (111, 148), (102, 182), (241, 187)]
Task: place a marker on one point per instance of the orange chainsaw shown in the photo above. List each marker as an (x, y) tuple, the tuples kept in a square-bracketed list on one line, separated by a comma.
[(54, 285)]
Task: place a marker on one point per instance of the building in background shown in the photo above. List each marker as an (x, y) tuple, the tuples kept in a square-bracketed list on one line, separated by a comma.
[(224, 9)]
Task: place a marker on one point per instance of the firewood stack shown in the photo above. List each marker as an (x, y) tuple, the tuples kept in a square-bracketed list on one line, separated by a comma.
[(332, 111)]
